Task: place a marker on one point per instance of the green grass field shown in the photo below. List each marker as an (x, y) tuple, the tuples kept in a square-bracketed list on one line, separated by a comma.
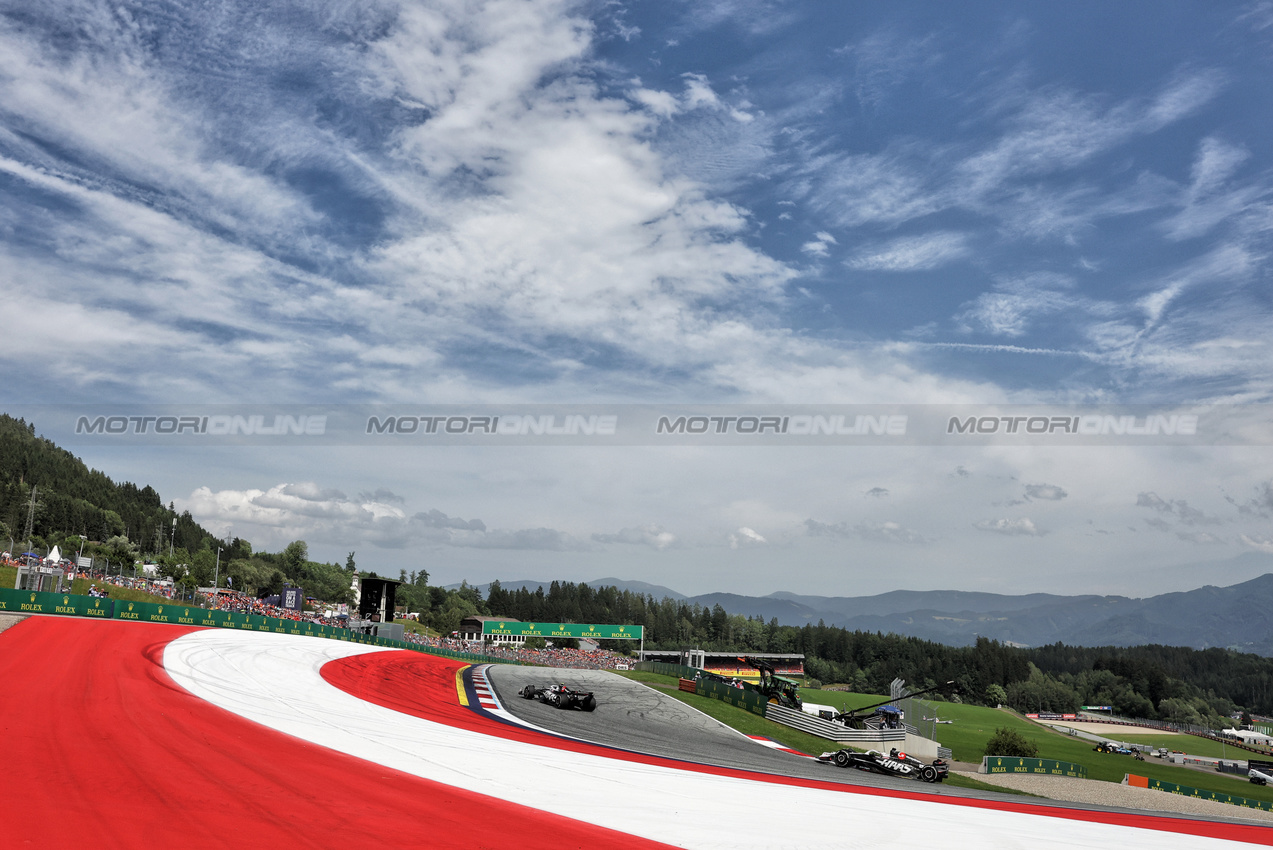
[(754, 724), (1191, 744), (973, 726)]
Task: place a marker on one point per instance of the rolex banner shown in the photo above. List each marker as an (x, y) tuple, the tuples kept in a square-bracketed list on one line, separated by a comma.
[(514, 628)]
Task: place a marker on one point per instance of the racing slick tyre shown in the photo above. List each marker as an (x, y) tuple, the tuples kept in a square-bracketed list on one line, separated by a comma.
[(841, 759), (928, 773), (527, 692), (1255, 780), (590, 703)]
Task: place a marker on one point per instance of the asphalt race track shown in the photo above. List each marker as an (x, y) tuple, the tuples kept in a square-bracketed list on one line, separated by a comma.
[(145, 735), (631, 716)]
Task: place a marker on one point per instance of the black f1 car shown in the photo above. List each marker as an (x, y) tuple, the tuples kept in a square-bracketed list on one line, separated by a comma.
[(893, 764), (561, 696)]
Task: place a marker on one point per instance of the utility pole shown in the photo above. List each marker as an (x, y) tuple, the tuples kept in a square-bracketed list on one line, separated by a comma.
[(173, 539), (31, 518)]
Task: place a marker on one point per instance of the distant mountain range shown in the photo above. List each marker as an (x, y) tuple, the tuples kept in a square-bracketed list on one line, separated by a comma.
[(1238, 617)]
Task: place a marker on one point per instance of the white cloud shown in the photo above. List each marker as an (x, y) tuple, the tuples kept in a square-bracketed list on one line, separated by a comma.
[(1258, 543), (306, 511), (642, 535), (1177, 508), (913, 253), (1048, 492), (819, 246), (745, 537), (1022, 527), (1017, 303), (1209, 201), (1201, 538), (889, 532), (661, 103)]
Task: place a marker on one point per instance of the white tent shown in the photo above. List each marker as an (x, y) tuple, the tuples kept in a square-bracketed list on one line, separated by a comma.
[(54, 556), (1249, 736)]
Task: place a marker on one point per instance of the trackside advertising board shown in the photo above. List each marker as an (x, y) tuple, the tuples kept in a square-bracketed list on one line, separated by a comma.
[(1049, 767), (744, 698), (31, 602), (1214, 796), (514, 628)]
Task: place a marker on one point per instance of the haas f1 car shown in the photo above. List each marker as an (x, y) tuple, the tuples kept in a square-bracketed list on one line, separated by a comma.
[(893, 764), (561, 696)]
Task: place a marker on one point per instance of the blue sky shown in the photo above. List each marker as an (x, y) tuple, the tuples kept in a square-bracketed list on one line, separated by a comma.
[(661, 202)]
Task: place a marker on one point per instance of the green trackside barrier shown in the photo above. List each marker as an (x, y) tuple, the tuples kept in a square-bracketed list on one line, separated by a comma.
[(67, 604), (151, 612), (232, 619), (1216, 796), (210, 619), (31, 602), (1048, 767), (740, 697), (89, 606), (132, 610)]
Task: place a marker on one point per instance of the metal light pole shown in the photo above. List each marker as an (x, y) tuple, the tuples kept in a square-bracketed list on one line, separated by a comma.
[(216, 576), (173, 537)]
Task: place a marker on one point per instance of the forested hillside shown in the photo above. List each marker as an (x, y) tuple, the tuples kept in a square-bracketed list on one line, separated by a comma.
[(73, 500)]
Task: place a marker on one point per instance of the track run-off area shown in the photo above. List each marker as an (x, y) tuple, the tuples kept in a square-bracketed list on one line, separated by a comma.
[(127, 735)]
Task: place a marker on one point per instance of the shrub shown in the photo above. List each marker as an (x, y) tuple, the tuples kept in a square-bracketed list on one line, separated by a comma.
[(1010, 742)]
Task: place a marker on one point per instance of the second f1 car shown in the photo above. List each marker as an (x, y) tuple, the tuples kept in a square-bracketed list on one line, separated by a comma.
[(560, 696), (893, 764)]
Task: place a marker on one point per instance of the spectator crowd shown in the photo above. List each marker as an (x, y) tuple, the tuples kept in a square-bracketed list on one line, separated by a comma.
[(581, 659)]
